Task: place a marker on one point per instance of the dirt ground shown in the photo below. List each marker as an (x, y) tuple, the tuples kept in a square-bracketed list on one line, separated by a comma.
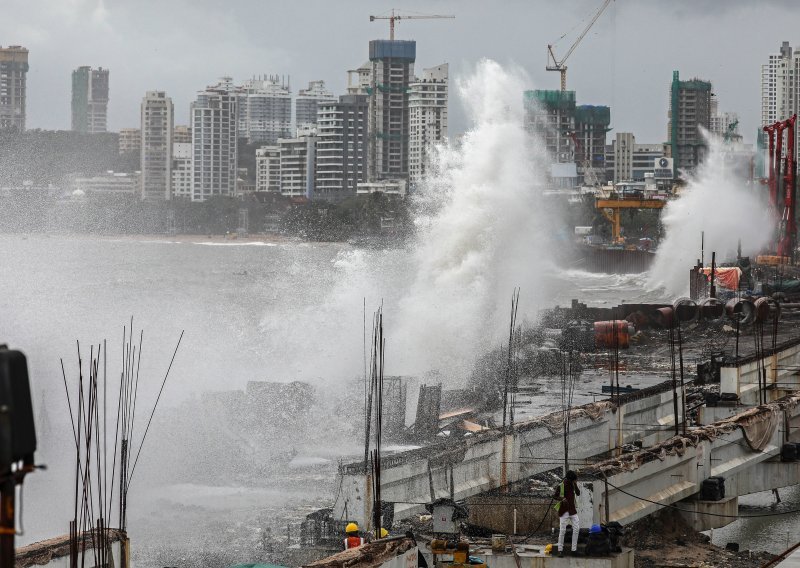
[(664, 540)]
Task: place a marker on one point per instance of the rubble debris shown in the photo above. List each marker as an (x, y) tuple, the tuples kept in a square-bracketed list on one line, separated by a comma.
[(370, 555), (676, 544)]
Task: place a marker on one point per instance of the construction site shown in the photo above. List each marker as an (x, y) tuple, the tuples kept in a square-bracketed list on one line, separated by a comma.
[(596, 434)]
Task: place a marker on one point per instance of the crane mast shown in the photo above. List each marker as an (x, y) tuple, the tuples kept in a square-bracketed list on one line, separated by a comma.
[(559, 65), (395, 16)]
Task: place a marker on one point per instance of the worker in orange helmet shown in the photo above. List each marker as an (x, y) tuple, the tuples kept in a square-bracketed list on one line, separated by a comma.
[(352, 540)]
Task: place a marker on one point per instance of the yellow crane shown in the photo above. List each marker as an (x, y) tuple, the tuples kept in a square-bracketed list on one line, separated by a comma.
[(397, 16), (611, 208), (559, 65)]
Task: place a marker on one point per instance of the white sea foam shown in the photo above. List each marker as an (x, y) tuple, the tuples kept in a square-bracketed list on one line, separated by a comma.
[(718, 202), (480, 231)]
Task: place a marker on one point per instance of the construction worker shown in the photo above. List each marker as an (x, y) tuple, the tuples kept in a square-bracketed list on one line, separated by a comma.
[(565, 494), (352, 540)]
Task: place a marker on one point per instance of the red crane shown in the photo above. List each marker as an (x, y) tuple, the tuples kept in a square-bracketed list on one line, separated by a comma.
[(787, 227)]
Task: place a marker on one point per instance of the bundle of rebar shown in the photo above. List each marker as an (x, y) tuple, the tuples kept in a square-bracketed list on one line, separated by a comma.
[(94, 481)]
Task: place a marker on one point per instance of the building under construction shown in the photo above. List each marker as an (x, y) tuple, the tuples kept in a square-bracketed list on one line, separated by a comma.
[(689, 111), (570, 132)]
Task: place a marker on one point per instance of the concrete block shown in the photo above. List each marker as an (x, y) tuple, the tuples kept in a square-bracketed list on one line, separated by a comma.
[(703, 515)]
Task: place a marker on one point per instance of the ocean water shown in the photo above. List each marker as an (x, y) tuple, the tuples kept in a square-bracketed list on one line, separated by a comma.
[(282, 311)]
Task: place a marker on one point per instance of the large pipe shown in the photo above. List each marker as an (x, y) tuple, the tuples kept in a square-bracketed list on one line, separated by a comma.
[(664, 316), (711, 308), (613, 334), (685, 309), (742, 310)]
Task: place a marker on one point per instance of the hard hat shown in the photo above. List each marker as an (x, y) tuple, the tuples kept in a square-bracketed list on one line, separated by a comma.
[(351, 527), (384, 533), (595, 529), (548, 549)]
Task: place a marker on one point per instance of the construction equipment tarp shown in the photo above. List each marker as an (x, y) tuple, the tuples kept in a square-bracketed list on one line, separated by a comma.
[(725, 276)]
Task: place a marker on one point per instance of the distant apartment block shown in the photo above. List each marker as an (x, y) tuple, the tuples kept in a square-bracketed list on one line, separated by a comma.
[(264, 109), (689, 110), (182, 170), (268, 169), (779, 85), (780, 90), (427, 105), (156, 159), (13, 69), (391, 72), (130, 140), (181, 134), (90, 100), (342, 147), (628, 161), (724, 125), (306, 104), (108, 184), (358, 80), (214, 142), (297, 163)]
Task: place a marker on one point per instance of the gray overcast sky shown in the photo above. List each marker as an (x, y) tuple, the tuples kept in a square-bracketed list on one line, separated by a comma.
[(180, 46)]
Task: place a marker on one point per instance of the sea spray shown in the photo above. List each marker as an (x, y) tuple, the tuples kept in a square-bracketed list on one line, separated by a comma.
[(480, 232), (722, 205)]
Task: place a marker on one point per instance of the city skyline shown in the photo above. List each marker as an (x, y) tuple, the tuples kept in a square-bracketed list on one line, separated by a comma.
[(625, 62)]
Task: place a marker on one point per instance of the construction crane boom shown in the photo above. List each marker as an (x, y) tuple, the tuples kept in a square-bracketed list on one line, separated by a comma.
[(397, 16), (560, 65)]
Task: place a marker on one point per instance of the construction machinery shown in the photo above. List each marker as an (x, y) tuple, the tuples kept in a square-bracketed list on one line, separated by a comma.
[(560, 65), (611, 208), (783, 180), (589, 175), (395, 16)]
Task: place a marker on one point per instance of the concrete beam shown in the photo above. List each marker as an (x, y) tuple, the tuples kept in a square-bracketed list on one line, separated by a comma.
[(489, 459)]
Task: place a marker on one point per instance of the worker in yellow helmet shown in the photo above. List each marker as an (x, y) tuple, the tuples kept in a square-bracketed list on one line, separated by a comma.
[(352, 540)]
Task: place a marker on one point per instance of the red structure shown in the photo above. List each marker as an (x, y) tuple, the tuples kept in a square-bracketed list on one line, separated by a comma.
[(782, 181)]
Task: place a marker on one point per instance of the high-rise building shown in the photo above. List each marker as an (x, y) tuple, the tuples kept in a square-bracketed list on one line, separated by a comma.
[(214, 142), (268, 169), (264, 109), (342, 148), (392, 69), (182, 170), (157, 122), (427, 104), (689, 110), (298, 159), (181, 134), (13, 67), (779, 85), (130, 140), (90, 100), (305, 112)]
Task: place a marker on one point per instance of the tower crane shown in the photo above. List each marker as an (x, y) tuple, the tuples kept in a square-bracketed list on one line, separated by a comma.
[(559, 65), (397, 16)]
